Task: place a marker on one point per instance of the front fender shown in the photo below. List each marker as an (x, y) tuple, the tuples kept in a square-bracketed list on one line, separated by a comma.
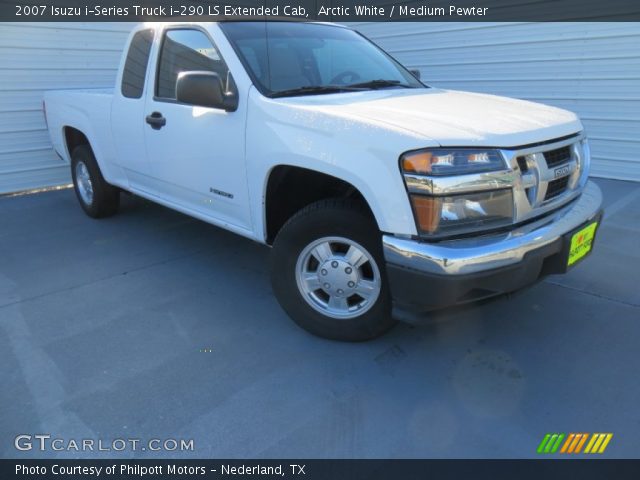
[(364, 155)]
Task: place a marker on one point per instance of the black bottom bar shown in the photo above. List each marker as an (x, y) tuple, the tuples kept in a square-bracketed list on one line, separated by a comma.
[(542, 469)]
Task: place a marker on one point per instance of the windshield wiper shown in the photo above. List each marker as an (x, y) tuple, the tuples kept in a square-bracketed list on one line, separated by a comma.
[(314, 89), (380, 83)]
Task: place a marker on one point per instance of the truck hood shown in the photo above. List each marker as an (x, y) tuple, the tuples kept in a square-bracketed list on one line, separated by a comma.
[(448, 117)]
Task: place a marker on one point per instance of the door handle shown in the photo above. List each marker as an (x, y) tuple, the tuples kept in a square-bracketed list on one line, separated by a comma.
[(156, 120)]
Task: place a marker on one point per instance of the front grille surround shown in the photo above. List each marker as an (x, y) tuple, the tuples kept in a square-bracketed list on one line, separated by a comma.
[(548, 175), (558, 157)]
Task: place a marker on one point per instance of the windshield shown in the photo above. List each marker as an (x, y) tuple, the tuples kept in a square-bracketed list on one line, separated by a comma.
[(304, 58)]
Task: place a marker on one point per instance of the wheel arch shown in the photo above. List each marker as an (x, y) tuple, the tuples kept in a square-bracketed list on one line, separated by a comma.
[(74, 137), (290, 188)]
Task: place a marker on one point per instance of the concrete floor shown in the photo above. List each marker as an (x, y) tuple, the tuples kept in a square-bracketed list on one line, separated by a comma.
[(104, 327)]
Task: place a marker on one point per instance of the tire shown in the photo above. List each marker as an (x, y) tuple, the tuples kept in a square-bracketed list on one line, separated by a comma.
[(97, 198), (320, 288)]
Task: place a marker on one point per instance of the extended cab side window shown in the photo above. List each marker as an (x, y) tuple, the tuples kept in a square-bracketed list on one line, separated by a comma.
[(185, 50), (135, 66)]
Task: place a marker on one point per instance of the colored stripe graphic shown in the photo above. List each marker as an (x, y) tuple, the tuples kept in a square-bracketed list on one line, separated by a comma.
[(543, 443), (598, 442), (554, 449), (606, 442), (574, 443), (550, 443), (594, 437), (581, 442), (577, 443), (568, 442)]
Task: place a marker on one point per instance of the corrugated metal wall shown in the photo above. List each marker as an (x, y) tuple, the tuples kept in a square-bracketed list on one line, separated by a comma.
[(35, 57), (592, 69)]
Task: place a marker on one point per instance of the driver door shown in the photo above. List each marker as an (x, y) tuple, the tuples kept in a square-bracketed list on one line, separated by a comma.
[(196, 154)]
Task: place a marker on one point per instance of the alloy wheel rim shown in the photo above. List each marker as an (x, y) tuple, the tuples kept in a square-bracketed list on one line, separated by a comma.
[(338, 277), (83, 181)]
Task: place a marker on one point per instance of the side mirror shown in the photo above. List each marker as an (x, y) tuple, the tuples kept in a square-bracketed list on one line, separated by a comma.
[(415, 73), (204, 89)]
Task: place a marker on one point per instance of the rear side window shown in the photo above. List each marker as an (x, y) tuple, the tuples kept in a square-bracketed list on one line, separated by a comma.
[(184, 51), (135, 66)]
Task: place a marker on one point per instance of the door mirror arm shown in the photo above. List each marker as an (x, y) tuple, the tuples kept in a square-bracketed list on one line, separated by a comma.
[(231, 95)]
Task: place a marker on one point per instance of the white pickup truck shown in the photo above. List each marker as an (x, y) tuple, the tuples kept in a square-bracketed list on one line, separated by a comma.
[(382, 198)]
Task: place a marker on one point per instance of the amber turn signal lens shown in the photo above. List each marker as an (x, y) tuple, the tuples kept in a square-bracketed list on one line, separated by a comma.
[(428, 211), (419, 163)]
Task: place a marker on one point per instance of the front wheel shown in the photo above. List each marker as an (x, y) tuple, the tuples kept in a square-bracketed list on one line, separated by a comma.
[(327, 272)]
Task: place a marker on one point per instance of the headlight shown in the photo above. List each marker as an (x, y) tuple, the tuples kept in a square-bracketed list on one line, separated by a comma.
[(456, 191), (465, 213), (584, 162), (447, 161)]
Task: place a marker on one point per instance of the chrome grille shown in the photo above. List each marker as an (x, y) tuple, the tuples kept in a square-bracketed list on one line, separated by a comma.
[(548, 176), (558, 156), (556, 187), (522, 164)]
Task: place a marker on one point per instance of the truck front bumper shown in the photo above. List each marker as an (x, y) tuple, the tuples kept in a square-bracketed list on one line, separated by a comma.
[(426, 276)]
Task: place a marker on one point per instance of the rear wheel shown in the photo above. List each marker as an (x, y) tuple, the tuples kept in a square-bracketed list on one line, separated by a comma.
[(327, 272), (97, 197)]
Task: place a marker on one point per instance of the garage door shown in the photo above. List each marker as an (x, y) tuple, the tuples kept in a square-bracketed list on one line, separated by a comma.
[(592, 69), (37, 57)]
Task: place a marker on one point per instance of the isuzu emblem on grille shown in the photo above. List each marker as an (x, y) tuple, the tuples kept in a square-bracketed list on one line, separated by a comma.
[(561, 172)]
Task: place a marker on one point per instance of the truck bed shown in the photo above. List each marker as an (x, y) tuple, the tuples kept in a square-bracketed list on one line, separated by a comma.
[(88, 110)]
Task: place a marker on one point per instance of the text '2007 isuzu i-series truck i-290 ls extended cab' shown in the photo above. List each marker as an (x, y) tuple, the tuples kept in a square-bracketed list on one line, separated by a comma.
[(382, 198)]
